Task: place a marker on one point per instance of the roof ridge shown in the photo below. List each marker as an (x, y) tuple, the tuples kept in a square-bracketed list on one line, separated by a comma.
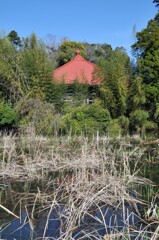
[(74, 59), (77, 67)]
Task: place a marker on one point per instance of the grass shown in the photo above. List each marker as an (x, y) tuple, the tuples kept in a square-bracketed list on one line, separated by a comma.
[(83, 174)]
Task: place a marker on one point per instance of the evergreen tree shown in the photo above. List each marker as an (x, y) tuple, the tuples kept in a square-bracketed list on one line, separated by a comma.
[(146, 50)]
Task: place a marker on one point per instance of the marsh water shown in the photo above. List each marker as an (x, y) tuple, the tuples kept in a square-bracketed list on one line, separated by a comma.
[(93, 226), (12, 228), (150, 167)]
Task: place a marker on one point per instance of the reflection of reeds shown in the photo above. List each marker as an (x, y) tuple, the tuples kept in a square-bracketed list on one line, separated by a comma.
[(42, 173)]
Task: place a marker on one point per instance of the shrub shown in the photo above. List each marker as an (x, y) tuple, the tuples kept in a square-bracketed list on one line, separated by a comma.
[(7, 115), (124, 124), (86, 118), (139, 120), (39, 115), (114, 128)]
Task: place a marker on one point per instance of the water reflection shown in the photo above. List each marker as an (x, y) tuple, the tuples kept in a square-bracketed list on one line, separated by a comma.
[(18, 229), (93, 225)]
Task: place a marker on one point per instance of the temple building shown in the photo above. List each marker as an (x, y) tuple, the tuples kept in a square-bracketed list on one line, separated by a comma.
[(77, 69), (81, 71)]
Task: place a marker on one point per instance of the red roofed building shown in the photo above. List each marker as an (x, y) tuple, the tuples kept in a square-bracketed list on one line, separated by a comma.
[(77, 69)]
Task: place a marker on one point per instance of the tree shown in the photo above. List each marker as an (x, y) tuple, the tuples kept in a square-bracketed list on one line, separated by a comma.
[(96, 52), (36, 66), (67, 51), (146, 50), (115, 80), (25, 74), (14, 38), (55, 94), (137, 96), (12, 79)]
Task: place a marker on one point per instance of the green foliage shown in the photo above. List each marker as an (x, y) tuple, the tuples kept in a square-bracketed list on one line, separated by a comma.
[(12, 78), (67, 51), (157, 113), (139, 117), (36, 66), (14, 38), (7, 115), (137, 96), (55, 94), (79, 92), (146, 50), (118, 126), (39, 115), (114, 129), (26, 82), (86, 118), (149, 125), (97, 52), (139, 121), (152, 98), (115, 78), (62, 95), (124, 124), (109, 100), (24, 72)]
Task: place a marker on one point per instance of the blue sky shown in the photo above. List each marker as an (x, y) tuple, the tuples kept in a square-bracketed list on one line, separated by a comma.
[(93, 21)]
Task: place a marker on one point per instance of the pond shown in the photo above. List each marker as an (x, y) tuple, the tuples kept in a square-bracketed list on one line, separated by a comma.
[(45, 213), (106, 220)]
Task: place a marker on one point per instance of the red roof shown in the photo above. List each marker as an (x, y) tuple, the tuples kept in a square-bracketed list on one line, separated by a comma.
[(77, 69)]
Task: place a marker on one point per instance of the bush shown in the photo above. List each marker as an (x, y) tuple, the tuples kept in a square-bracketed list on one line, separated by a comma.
[(124, 124), (39, 115), (86, 118), (139, 121), (8, 116), (114, 128)]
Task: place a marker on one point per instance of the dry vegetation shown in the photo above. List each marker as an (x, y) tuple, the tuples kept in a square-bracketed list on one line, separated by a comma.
[(40, 174)]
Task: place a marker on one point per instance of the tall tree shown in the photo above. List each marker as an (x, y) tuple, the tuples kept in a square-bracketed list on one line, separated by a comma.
[(12, 78), (146, 50), (139, 117), (36, 65), (115, 80)]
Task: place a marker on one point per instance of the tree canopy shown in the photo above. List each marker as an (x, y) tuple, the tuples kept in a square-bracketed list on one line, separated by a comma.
[(146, 50), (67, 51), (127, 99)]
